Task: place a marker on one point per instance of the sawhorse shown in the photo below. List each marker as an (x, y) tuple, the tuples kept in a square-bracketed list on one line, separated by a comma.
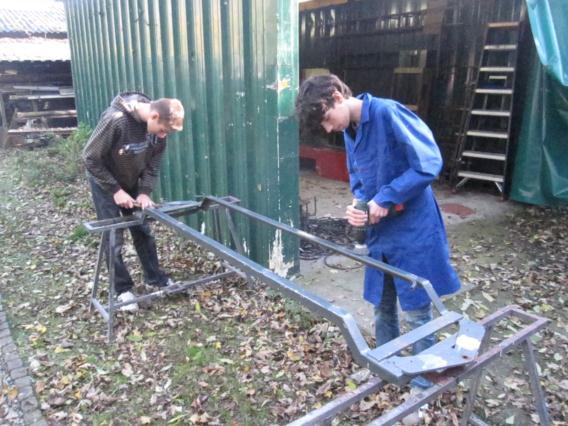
[(449, 379), (108, 228)]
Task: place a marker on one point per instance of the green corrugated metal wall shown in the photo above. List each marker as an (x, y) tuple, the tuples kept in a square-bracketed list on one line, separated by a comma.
[(233, 64)]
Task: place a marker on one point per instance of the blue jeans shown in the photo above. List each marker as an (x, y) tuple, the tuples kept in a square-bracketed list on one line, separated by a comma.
[(387, 324), (144, 243)]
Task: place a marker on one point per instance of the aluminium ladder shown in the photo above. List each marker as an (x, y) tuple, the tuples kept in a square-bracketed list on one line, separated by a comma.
[(485, 138)]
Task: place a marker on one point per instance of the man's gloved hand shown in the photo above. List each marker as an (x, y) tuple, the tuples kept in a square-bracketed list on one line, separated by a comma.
[(145, 202), (122, 199)]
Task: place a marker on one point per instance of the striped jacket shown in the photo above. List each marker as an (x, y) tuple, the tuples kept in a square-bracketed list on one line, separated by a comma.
[(120, 153)]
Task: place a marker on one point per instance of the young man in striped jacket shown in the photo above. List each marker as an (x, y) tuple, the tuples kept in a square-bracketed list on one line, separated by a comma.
[(122, 158)]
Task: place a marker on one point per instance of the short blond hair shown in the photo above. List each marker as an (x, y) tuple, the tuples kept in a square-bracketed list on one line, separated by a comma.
[(170, 111)]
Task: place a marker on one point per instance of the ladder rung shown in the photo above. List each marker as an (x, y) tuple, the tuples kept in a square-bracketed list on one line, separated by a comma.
[(497, 69), (500, 47), (504, 24), (490, 112), (495, 91), (484, 155), (483, 134), (481, 176)]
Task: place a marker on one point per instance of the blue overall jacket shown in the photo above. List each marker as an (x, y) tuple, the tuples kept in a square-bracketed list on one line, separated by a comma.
[(394, 159)]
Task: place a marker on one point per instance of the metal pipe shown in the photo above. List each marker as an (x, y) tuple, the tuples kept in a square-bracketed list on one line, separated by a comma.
[(340, 404), (176, 288), (384, 267), (411, 278)]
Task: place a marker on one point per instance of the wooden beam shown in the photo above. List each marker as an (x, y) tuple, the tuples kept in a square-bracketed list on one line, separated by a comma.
[(317, 4), (55, 130), (22, 116)]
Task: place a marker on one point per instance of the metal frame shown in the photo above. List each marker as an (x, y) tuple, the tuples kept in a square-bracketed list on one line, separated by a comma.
[(449, 379), (383, 361), (108, 228), (363, 355), (373, 359)]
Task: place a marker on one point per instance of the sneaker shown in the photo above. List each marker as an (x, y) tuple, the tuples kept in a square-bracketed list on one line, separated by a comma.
[(168, 283), (417, 417), (127, 296)]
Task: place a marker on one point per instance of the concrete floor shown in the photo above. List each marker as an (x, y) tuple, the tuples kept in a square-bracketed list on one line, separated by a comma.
[(463, 213)]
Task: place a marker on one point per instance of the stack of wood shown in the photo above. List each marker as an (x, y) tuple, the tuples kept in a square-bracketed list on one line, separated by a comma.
[(32, 114)]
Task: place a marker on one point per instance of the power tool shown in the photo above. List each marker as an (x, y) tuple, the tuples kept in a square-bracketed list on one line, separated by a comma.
[(359, 233)]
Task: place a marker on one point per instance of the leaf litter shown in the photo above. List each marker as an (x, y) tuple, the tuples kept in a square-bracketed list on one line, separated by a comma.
[(234, 352)]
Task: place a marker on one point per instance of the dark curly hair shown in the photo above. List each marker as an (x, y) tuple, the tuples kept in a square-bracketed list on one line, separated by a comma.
[(314, 98)]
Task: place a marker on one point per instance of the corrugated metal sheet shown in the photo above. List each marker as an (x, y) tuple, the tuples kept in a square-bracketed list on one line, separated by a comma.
[(47, 17), (234, 65), (34, 49)]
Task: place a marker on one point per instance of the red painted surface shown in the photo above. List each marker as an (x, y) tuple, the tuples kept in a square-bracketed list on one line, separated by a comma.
[(330, 163), (457, 209)]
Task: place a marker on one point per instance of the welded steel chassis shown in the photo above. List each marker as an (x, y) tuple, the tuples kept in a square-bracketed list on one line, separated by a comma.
[(238, 263), (362, 354)]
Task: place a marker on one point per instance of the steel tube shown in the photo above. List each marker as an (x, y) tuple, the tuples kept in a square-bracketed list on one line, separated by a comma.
[(411, 278), (176, 288), (539, 400), (340, 404), (100, 257), (100, 308)]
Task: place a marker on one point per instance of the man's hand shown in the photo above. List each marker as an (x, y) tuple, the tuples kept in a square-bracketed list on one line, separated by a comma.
[(144, 201), (122, 199), (376, 212), (356, 217)]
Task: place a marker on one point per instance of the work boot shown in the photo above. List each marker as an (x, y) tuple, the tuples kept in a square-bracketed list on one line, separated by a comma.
[(417, 417), (127, 296)]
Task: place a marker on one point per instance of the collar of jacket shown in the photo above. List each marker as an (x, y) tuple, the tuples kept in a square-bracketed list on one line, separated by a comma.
[(366, 98)]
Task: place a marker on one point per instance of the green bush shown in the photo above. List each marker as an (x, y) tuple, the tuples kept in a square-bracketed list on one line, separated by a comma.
[(60, 163)]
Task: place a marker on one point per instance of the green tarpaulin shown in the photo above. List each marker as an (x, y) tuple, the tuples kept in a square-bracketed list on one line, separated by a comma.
[(549, 25), (540, 174)]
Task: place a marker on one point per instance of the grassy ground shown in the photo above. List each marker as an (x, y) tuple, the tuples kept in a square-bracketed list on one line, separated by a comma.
[(229, 353)]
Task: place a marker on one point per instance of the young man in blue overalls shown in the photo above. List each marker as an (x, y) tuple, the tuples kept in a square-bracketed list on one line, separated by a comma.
[(392, 159)]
